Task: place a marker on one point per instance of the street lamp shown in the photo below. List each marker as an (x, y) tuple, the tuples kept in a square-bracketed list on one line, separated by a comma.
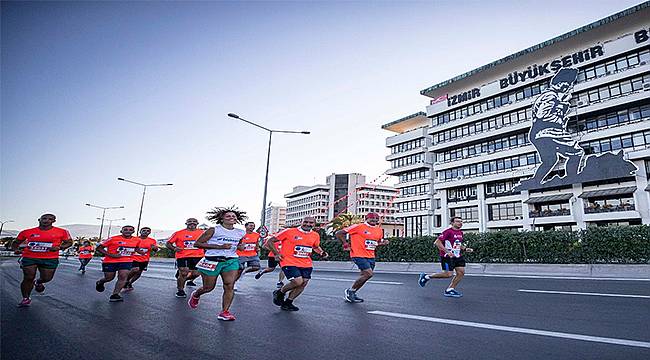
[(110, 223), (144, 190), (104, 208), (268, 156), (2, 224)]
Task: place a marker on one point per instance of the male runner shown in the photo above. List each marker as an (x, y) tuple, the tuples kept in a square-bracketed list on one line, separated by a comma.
[(40, 250), (271, 264), (140, 262), (295, 259), (221, 244), (450, 245), (187, 255), (118, 258), (249, 258), (364, 238), (85, 255)]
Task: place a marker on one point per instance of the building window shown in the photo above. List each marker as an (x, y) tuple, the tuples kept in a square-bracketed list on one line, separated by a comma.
[(550, 209), (468, 214), (609, 204), (462, 193), (505, 211), (488, 167)]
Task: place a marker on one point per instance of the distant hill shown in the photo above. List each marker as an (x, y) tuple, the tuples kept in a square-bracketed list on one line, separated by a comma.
[(11, 233)]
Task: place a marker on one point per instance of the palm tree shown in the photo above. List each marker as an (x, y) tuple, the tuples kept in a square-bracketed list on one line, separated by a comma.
[(344, 220)]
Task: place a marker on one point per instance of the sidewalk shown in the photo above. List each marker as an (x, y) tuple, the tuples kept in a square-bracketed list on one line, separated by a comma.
[(632, 271)]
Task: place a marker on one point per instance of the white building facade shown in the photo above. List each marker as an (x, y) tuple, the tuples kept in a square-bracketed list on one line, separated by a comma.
[(479, 122), (275, 218)]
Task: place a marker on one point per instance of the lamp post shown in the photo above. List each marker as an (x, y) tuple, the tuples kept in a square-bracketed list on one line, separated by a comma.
[(104, 208), (110, 223), (144, 190), (268, 156)]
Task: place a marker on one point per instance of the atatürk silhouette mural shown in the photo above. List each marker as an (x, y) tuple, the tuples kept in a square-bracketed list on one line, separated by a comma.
[(554, 143)]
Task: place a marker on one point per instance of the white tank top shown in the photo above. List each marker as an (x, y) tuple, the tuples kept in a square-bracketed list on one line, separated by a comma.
[(224, 236)]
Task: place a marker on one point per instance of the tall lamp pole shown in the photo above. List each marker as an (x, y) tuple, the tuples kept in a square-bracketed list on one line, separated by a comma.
[(110, 223), (104, 208), (2, 225), (268, 156), (144, 190)]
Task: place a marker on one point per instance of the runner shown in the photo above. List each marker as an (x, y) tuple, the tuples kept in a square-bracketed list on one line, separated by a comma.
[(118, 258), (187, 255), (40, 250), (221, 244), (85, 253), (295, 259), (450, 245), (271, 264), (250, 255), (364, 238), (140, 262)]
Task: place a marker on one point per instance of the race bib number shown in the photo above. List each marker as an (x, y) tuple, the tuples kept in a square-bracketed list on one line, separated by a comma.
[(125, 251), (371, 244), (302, 251), (37, 246), (145, 250), (455, 250), (249, 246), (207, 265), (84, 252), (189, 245)]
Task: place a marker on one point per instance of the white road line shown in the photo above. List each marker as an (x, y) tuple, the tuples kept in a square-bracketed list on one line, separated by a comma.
[(559, 277), (584, 293), (598, 339), (352, 280)]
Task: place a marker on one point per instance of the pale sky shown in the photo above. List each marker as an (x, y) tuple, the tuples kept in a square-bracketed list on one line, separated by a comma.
[(92, 91)]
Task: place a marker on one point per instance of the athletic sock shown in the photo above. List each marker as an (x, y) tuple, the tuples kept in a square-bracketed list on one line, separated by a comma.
[(427, 277), (449, 289)]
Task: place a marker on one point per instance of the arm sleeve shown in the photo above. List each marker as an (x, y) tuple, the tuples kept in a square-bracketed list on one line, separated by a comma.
[(351, 229), (21, 236)]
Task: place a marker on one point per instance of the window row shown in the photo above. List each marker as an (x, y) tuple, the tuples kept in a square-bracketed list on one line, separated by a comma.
[(505, 211), (486, 147), (501, 188), (639, 140), (407, 146), (488, 167), (611, 90), (415, 205), (307, 199), (468, 214), (620, 117), (379, 197), (415, 175), (614, 65), (494, 122), (461, 193), (407, 160), (415, 190)]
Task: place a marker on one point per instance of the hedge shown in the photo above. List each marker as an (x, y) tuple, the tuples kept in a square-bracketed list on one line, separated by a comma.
[(612, 245)]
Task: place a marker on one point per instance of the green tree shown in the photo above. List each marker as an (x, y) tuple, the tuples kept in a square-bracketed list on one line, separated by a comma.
[(344, 220)]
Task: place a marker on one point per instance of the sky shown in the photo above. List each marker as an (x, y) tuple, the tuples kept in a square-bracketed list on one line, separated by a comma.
[(93, 91)]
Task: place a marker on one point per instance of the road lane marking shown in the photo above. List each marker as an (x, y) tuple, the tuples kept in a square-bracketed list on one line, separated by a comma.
[(558, 277), (352, 280), (598, 339), (584, 293)]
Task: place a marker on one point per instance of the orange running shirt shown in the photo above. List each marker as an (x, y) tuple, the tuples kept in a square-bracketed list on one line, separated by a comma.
[(185, 239), (86, 252), (39, 242), (122, 246), (145, 245), (279, 246), (250, 244), (364, 239), (297, 247)]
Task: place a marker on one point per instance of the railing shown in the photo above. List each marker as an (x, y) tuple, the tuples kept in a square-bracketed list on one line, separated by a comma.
[(610, 208), (547, 213)]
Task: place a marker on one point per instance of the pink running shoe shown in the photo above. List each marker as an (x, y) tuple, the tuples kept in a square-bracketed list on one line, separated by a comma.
[(25, 302), (226, 316), (193, 302)]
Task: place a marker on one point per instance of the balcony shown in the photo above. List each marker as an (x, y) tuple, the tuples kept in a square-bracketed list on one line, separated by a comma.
[(609, 208), (548, 213)]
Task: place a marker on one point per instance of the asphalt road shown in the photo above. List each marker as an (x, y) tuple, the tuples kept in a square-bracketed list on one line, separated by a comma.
[(399, 320)]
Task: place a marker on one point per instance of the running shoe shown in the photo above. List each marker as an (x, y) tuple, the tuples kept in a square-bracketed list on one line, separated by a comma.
[(279, 285), (258, 275), (190, 283), (235, 287), (25, 302), (193, 302), (357, 299), (226, 316), (278, 298), (453, 293), (83, 271), (289, 306), (99, 287), (181, 294), (115, 298), (349, 295), (177, 274), (422, 280), (38, 287)]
